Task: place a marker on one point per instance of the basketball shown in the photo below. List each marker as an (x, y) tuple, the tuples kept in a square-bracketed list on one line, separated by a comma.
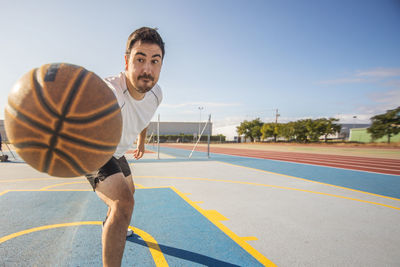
[(63, 120)]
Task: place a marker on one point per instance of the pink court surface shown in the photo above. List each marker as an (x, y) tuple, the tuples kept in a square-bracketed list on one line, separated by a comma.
[(243, 206)]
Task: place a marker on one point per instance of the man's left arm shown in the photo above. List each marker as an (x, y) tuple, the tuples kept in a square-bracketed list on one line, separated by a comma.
[(139, 151)]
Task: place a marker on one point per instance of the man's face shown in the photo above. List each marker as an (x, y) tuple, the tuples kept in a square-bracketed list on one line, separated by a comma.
[(143, 66)]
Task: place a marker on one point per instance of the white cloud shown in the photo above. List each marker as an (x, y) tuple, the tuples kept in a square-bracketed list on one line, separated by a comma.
[(343, 81), (233, 120), (227, 126), (393, 84), (229, 131), (354, 118), (379, 72), (388, 98), (199, 104), (365, 76), (383, 101)]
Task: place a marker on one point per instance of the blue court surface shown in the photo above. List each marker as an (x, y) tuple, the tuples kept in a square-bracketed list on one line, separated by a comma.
[(381, 184), (184, 236)]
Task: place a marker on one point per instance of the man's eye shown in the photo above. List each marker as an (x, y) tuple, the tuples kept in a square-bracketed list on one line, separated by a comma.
[(140, 60), (155, 61)]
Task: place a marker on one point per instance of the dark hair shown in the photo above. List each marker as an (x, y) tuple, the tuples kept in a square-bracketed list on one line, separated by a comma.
[(145, 35)]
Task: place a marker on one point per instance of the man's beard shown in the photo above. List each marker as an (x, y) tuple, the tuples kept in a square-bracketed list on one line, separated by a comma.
[(145, 89)]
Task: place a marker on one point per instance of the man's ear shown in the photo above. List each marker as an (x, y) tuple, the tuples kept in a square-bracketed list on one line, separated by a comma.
[(126, 62)]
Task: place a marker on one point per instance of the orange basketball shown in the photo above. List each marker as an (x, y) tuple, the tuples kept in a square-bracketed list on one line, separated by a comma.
[(63, 120)]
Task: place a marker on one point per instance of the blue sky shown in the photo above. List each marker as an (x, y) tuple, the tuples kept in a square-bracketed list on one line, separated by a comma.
[(237, 59)]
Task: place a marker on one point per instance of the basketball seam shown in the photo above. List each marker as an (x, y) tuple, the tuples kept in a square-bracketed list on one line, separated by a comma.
[(24, 118), (56, 131), (38, 90), (86, 143), (60, 122), (95, 117), (62, 154), (70, 160)]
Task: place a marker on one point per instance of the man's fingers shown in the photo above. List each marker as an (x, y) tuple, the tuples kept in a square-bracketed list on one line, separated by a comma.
[(139, 154)]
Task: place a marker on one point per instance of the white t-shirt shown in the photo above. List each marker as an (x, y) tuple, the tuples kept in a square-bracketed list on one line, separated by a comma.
[(136, 114)]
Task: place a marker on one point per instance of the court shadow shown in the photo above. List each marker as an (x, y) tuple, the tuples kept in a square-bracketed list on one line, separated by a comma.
[(184, 254)]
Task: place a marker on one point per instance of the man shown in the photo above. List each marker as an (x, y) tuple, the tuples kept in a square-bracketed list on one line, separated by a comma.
[(138, 96)]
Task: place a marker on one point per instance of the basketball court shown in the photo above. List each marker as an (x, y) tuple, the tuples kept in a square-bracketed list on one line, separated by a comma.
[(226, 210)]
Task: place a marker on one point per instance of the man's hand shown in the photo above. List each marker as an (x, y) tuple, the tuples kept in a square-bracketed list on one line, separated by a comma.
[(139, 151)]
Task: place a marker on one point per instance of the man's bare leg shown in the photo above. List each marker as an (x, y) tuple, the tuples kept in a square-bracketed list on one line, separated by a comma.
[(131, 185), (118, 197)]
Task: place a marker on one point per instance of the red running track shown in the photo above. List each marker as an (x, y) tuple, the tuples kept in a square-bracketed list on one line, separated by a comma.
[(378, 165)]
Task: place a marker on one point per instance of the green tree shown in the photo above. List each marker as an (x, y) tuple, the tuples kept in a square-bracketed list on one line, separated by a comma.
[(244, 129), (271, 130), (278, 130), (267, 130), (250, 129), (315, 128), (330, 127), (300, 130), (256, 131), (387, 124), (287, 130)]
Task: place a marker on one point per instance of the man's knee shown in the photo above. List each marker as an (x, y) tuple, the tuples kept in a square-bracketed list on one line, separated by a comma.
[(123, 206), (116, 194)]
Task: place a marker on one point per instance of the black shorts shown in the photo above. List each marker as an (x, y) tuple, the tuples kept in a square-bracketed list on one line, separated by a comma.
[(112, 166)]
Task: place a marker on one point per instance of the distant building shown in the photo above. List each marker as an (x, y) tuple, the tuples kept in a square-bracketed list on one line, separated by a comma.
[(344, 133), (346, 127), (177, 128), (361, 135)]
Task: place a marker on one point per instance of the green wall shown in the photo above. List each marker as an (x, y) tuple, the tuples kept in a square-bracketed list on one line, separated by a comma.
[(361, 135)]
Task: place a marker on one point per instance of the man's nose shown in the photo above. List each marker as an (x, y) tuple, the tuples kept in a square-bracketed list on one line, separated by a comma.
[(147, 68)]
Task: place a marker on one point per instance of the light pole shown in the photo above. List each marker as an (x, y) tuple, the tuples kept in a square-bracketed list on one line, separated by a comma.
[(200, 109), (354, 126)]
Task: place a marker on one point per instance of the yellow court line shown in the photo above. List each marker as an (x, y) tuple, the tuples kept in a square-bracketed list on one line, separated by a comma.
[(19, 190), (214, 214), (4, 192), (61, 184), (215, 220), (210, 215), (139, 186), (78, 182), (34, 179), (61, 190), (249, 238), (39, 190), (152, 244), (307, 180), (273, 186)]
